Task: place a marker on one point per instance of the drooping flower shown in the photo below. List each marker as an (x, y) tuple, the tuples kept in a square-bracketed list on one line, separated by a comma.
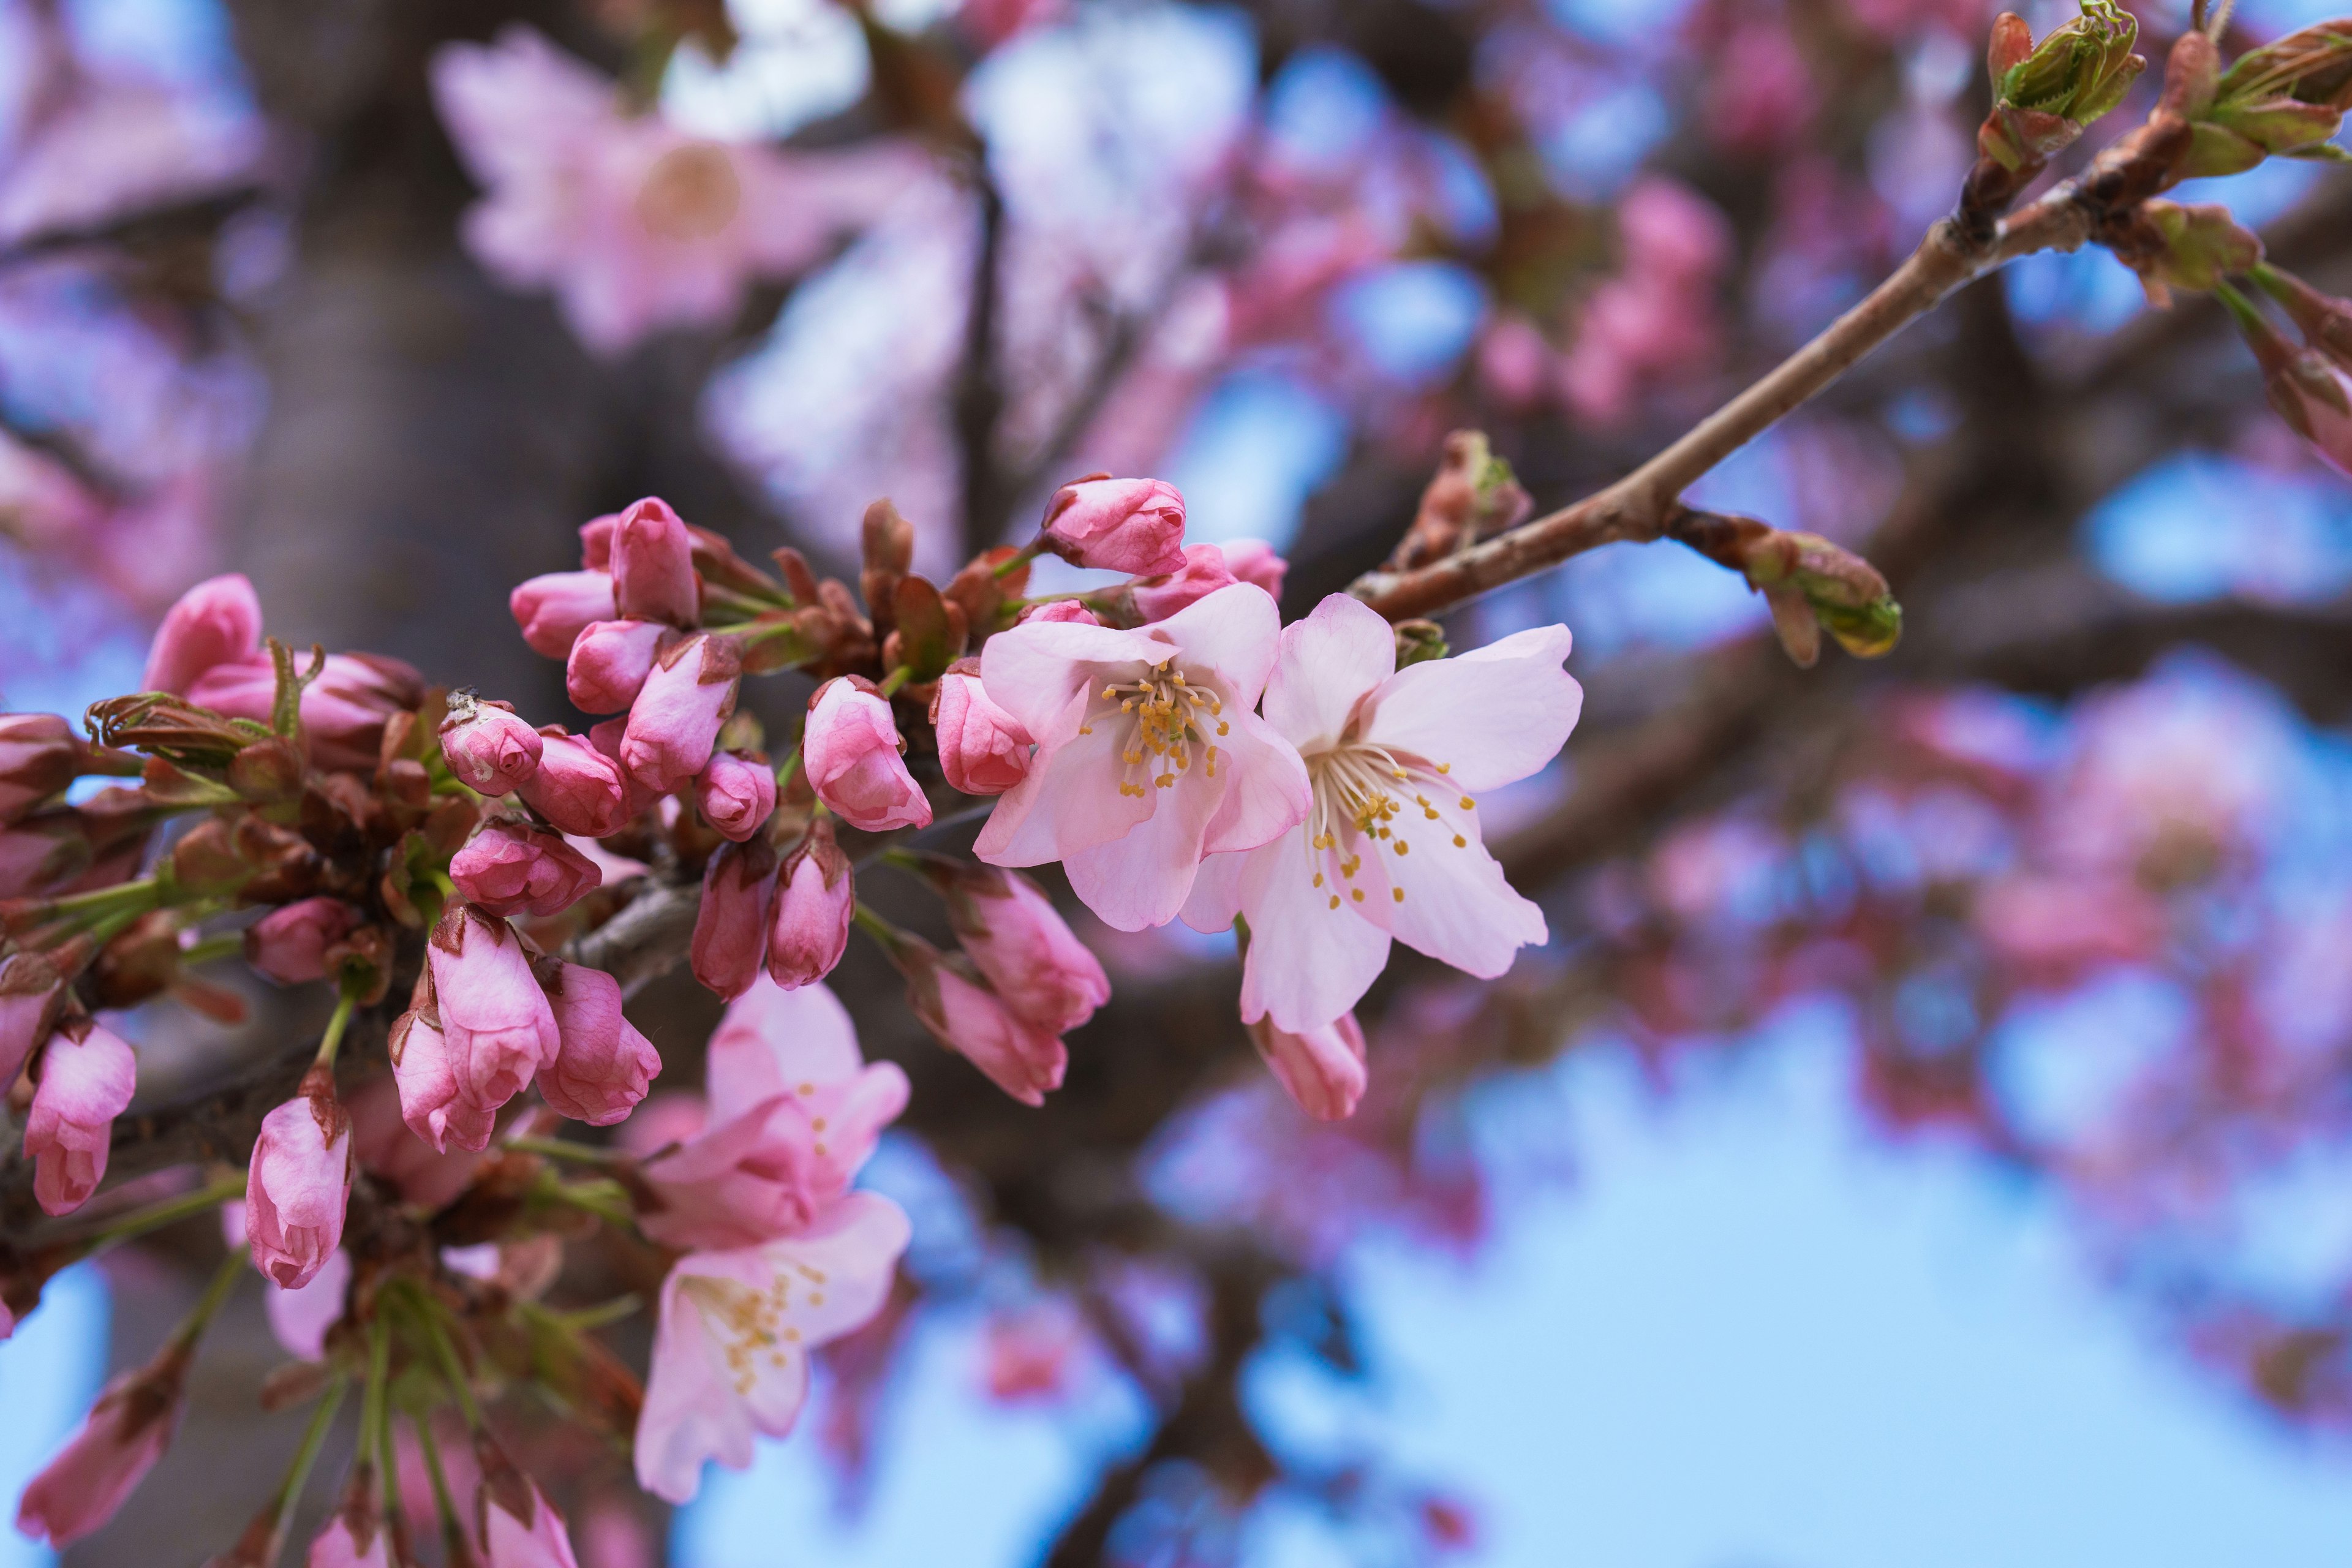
[(1392, 846), (494, 1017), (983, 749), (736, 793), (653, 564), (431, 1101), (1119, 525), (486, 746), (1322, 1069), (88, 1075), (577, 786), (555, 608), (603, 1066), (1021, 944), (852, 753), (1203, 574), (731, 1348), (1025, 1061), (678, 713), (816, 900), (218, 621), (1149, 756), (289, 944), (299, 1183), (513, 869), (101, 1464), (730, 930)]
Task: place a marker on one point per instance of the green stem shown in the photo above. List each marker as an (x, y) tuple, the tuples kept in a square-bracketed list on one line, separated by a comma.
[(897, 678), (452, 1369), (2249, 314), (880, 929), (786, 769), (371, 1397), (564, 1149), (146, 891), (213, 949), (589, 1318), (170, 1211), (331, 1042), (313, 1439), (1021, 557), (602, 1199), (453, 1531), (208, 1305)]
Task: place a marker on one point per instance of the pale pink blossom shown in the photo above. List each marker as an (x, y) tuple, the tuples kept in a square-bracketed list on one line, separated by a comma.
[(983, 749), (816, 901), (736, 793), (430, 1103), (732, 1344), (555, 608), (1392, 847), (1203, 574), (289, 944), (1322, 1069), (344, 711), (603, 1064), (520, 1527), (101, 1464), (1148, 754), (38, 757), (678, 713), (577, 787), (113, 145), (609, 662), (1256, 562), (730, 930), (486, 746), (1119, 525), (1021, 944), (299, 1182), (513, 869), (852, 753), (88, 1075), (30, 992), (1066, 611), (653, 565), (218, 621), (634, 224), (494, 1017)]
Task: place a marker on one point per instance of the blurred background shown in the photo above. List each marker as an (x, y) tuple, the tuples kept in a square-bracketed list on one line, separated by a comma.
[(1928, 1134)]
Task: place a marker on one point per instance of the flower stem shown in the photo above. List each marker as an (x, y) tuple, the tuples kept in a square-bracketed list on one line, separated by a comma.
[(371, 1396), (453, 1529), (897, 678), (786, 769), (564, 1149), (331, 1042), (1021, 557), (453, 1371), (169, 1211), (299, 1475), (213, 949), (208, 1305)]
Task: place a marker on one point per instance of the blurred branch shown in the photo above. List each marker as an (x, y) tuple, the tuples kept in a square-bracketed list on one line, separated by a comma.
[(980, 385)]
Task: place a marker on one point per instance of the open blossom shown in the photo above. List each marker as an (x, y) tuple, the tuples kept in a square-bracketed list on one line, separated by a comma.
[(1022, 946), (299, 1182), (816, 900), (1149, 756), (634, 224), (555, 608), (499, 1029), (1322, 1069), (653, 565), (101, 1464), (732, 1344), (486, 746), (1119, 525), (577, 786), (38, 757), (603, 1064), (88, 1075), (676, 718), (736, 793), (218, 621), (609, 662), (514, 868), (1392, 847), (983, 749), (289, 944), (852, 753), (731, 930), (344, 711)]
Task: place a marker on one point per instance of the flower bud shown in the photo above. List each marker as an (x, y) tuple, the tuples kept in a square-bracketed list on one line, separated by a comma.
[(596, 542), (493, 1015), (514, 868), (1119, 525), (2311, 65), (2324, 320), (88, 1074), (520, 1527), (850, 750), (1061, 610), (2193, 247), (577, 787), (653, 565), (2310, 393), (1203, 573), (816, 900), (289, 944), (300, 1181), (603, 1064), (343, 711), (486, 746), (609, 663), (1255, 561), (675, 718), (555, 608), (1322, 1070), (427, 1081), (2079, 71), (101, 1464), (983, 749), (30, 991), (1023, 1060), (218, 621), (731, 930), (39, 755), (1020, 944), (38, 856), (736, 793)]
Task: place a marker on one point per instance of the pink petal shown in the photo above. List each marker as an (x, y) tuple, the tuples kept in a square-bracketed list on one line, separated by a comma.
[(1335, 657), (1493, 715), (1308, 962)]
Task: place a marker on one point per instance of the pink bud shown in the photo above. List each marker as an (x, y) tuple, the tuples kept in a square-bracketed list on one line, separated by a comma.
[(1023, 947), (414, 1170), (1203, 573), (609, 663), (39, 855), (817, 899), (520, 1529), (494, 1016), (218, 621), (1025, 1061), (1254, 561), (1322, 1069), (299, 1183), (30, 990), (1119, 525), (604, 1064), (101, 1464), (344, 711), (730, 931), (355, 1537), (653, 565), (983, 749), (596, 542), (676, 718), (1061, 610), (427, 1080), (513, 869), (736, 793), (87, 1078), (555, 608), (577, 787), (289, 944), (39, 755), (487, 747), (850, 750)]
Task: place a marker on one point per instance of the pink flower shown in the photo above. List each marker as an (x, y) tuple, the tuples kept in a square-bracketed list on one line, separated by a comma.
[(1024, 1059), (603, 1064), (736, 793), (487, 747), (512, 868), (300, 1181), (1254, 561), (430, 1100), (344, 711), (555, 608), (218, 621), (675, 718), (88, 1074), (1392, 847), (520, 1527), (1322, 1069), (1066, 612), (609, 663), (499, 1027), (653, 565), (1203, 574), (30, 991), (1119, 525), (100, 1466), (578, 787), (730, 1347), (634, 224), (1021, 945), (355, 1536), (410, 1165), (816, 900), (289, 944), (851, 750), (730, 930), (38, 757), (1149, 756), (798, 1110), (983, 749)]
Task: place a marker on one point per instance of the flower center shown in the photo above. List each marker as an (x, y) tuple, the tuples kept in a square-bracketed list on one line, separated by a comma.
[(1365, 795), (690, 193), (1169, 719), (748, 1324)]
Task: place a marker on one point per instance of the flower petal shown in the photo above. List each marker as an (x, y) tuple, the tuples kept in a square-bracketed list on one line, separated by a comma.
[(1234, 633), (1339, 654), (1070, 801), (1308, 962), (1216, 895), (1493, 715), (1457, 908), (1035, 669), (1141, 880), (1267, 790)]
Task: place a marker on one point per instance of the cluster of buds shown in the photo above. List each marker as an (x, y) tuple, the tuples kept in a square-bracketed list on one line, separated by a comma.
[(1812, 584), (2286, 98), (2044, 95)]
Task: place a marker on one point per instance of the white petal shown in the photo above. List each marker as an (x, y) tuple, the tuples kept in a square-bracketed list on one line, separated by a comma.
[(1308, 962), (1266, 789), (1329, 660), (1493, 715), (1457, 908), (1143, 879)]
